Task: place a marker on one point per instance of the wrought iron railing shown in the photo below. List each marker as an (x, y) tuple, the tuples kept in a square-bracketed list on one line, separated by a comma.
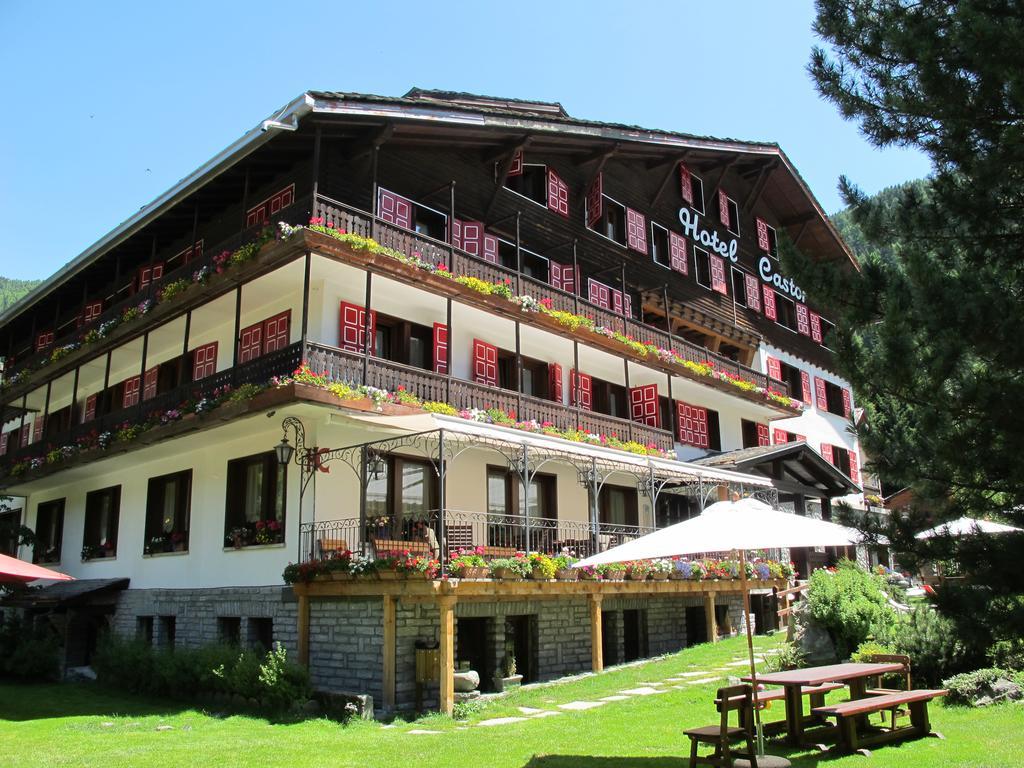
[(443, 534)]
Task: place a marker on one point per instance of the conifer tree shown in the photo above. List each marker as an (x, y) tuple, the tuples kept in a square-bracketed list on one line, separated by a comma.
[(931, 329)]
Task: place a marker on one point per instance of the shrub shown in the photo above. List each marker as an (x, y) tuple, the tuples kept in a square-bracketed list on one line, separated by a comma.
[(850, 604), (967, 687), (28, 653), (270, 680), (869, 648), (789, 656), (933, 644)]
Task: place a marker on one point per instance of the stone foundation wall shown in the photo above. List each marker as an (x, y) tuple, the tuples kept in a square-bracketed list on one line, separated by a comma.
[(196, 614)]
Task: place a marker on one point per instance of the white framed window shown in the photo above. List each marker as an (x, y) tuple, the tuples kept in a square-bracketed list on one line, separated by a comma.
[(660, 249), (702, 267), (697, 185)]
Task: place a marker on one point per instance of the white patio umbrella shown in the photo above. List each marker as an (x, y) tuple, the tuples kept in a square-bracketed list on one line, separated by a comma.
[(727, 525), (966, 526)]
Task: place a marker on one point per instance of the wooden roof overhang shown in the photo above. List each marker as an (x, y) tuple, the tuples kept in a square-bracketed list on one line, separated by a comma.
[(494, 129), (792, 468)]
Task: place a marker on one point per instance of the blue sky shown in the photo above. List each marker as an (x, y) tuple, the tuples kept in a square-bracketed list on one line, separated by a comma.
[(108, 104)]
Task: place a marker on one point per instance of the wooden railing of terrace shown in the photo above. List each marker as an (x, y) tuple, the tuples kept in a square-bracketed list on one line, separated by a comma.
[(341, 216), (349, 367)]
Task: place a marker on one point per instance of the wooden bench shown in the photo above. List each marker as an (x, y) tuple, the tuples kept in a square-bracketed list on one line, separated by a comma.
[(494, 552), (848, 713), (816, 694), (331, 548)]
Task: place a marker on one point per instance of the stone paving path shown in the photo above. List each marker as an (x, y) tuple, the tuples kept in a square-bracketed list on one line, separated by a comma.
[(680, 681)]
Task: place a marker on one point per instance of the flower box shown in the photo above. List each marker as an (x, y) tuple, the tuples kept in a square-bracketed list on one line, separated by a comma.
[(567, 574), (537, 574), (341, 576), (635, 575), (474, 572), (659, 575), (614, 576), (507, 574), (387, 574), (585, 575)]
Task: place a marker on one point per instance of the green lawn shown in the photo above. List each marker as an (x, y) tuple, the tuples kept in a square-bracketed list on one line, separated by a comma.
[(82, 725)]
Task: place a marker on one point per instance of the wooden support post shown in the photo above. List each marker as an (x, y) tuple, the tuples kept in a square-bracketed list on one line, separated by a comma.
[(709, 617), (303, 630), (596, 639), (446, 608), (388, 670)]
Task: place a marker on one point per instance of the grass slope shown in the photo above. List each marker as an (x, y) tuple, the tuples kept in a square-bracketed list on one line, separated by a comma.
[(82, 725)]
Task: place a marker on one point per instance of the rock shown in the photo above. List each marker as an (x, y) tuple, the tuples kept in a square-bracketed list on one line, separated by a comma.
[(165, 728), (814, 641), (311, 707), (984, 701), (79, 674), (467, 681), (1003, 689)]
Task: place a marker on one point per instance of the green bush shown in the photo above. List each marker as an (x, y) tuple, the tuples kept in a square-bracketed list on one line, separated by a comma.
[(850, 604), (931, 641), (270, 680), (27, 652), (966, 687), (789, 656)]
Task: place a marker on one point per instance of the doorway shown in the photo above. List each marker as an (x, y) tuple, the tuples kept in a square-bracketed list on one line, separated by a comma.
[(521, 642), (634, 635), (609, 638), (696, 625), (471, 639)]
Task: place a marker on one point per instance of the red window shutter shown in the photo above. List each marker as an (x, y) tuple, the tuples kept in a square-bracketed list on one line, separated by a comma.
[(692, 425), (628, 306), (820, 395), (394, 209), (490, 249), (599, 293), (595, 201), (762, 236), (281, 199), (780, 436), (558, 194), (262, 211), (797, 438), (677, 251), (352, 333), (516, 168), (563, 276), (44, 340), (37, 428), (803, 324), (581, 390), (256, 215), (723, 209), (250, 345), (753, 292), (440, 348), (775, 368), (618, 305), (149, 382), (204, 361), (685, 184), (25, 432), (555, 382), (826, 453), (90, 409), (643, 404), (769, 302), (636, 231), (762, 435), (485, 363), (4, 437), (805, 387), (276, 332), (148, 275), (718, 282), (92, 312), (130, 391), (457, 233), (815, 320), (854, 466), (847, 403), (472, 236)]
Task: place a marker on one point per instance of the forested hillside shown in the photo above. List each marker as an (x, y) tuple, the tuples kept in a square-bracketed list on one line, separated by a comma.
[(12, 290)]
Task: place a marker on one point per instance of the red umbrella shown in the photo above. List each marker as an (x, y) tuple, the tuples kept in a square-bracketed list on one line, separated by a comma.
[(15, 571)]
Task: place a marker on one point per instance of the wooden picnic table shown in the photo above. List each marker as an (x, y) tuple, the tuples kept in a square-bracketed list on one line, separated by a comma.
[(855, 676)]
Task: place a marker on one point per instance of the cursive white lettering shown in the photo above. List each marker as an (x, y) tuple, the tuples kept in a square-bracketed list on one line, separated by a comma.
[(707, 237), (784, 284)]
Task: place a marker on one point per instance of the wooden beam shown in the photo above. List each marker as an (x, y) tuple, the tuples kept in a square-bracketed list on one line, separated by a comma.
[(375, 141), (596, 639), (446, 608), (669, 174), (711, 191), (600, 157), (506, 166), (759, 185), (388, 665), (709, 617), (303, 629)]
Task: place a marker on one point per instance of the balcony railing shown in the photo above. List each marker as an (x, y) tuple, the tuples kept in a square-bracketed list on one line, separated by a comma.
[(258, 371), (340, 365), (68, 329), (459, 262), (443, 534)]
